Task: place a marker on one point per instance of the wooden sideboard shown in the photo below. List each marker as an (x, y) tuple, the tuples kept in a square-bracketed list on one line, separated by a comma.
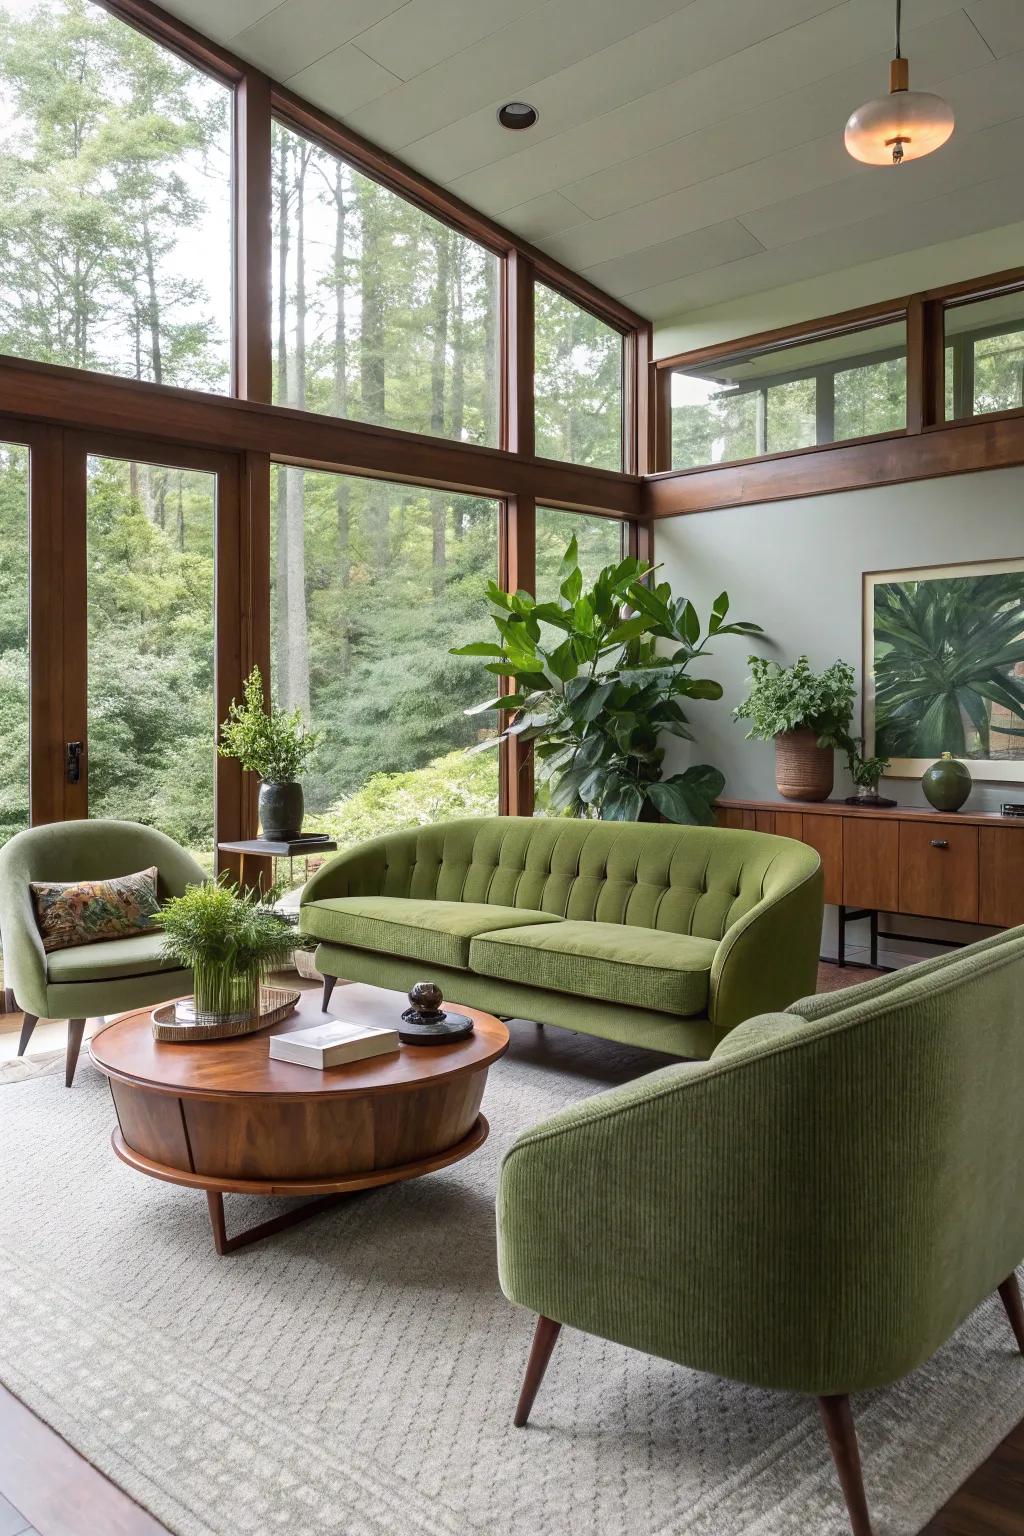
[(959, 867)]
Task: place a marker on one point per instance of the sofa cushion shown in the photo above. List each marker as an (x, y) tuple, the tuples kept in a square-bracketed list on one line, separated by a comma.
[(438, 932), (108, 958), (639, 967)]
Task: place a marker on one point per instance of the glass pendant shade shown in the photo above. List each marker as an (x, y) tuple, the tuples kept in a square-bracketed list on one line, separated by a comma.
[(902, 126)]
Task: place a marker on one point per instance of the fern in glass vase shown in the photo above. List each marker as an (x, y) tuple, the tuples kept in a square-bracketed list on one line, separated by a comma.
[(229, 942)]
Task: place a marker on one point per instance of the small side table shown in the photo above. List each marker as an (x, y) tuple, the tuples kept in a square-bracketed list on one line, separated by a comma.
[(270, 848)]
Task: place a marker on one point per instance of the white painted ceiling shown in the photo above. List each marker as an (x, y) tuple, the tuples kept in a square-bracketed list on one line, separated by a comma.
[(688, 151)]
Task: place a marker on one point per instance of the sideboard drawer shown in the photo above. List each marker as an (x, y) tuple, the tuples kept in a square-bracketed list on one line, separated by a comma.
[(939, 871), (1001, 900)]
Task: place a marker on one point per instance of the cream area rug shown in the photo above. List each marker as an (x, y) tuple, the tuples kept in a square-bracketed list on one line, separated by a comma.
[(356, 1375)]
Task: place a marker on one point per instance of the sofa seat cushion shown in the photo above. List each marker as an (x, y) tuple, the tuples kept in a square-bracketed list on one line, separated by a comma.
[(438, 932), (109, 958), (639, 967)]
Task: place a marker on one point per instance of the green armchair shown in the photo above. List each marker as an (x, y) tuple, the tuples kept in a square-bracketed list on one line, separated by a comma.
[(815, 1209), (89, 980)]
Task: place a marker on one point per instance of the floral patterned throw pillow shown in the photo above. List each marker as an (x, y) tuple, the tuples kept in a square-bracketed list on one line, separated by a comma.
[(71, 912)]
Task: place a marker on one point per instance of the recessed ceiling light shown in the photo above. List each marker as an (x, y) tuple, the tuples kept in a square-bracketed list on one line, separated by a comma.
[(517, 114)]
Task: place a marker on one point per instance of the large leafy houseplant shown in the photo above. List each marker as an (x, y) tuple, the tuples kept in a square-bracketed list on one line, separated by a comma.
[(598, 680), (228, 942), (945, 653)]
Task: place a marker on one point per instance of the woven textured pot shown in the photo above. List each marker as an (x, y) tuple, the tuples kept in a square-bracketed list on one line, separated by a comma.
[(803, 770)]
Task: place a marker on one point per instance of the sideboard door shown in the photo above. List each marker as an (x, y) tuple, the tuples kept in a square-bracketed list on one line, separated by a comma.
[(825, 833), (871, 854), (1001, 899), (939, 870)]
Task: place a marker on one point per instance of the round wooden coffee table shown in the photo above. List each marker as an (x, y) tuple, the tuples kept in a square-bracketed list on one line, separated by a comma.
[(223, 1117)]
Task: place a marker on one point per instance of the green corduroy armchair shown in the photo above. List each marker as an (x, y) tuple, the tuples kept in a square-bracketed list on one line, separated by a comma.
[(815, 1209), (659, 936), (88, 980)]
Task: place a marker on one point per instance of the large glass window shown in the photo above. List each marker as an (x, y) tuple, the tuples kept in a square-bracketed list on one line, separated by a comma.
[(14, 673), (381, 312), (115, 199), (150, 541), (372, 583), (599, 540), (577, 383), (827, 390), (985, 356)]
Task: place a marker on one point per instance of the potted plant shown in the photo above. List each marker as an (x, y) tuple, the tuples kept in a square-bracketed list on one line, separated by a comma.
[(597, 691), (274, 744), (865, 773), (228, 942), (807, 714)]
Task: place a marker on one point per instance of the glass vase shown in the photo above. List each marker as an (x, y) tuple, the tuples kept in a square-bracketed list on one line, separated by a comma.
[(222, 992)]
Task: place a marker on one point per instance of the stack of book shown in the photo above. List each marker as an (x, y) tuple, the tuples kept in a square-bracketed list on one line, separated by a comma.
[(333, 1044)]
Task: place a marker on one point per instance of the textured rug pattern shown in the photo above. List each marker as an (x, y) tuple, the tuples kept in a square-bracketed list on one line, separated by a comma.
[(356, 1376)]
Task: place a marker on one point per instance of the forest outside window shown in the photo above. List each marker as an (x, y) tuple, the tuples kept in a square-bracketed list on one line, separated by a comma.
[(797, 395), (382, 313), (577, 383), (984, 356), (372, 582), (115, 215)]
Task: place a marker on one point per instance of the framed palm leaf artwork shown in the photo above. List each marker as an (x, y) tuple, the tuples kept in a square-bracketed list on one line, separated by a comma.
[(944, 667)]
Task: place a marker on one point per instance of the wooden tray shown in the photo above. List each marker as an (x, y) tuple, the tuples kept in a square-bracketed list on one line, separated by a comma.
[(276, 1004)]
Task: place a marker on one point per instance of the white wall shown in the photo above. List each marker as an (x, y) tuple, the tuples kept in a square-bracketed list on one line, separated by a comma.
[(869, 283), (795, 567)]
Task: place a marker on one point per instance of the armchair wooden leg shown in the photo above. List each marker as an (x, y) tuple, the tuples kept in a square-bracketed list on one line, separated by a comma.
[(842, 1437), (540, 1353), (76, 1029), (328, 989), (1009, 1293), (28, 1025)]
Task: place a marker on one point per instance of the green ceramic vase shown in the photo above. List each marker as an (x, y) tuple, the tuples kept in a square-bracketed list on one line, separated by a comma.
[(947, 783)]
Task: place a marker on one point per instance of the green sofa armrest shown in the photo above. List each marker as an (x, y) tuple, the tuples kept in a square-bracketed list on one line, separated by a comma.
[(770, 957), (356, 872)]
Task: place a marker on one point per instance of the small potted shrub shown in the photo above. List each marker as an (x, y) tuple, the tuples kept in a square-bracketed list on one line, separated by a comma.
[(229, 943), (807, 715), (274, 744)]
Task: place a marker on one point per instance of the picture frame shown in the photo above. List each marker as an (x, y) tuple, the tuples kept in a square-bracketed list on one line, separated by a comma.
[(970, 614)]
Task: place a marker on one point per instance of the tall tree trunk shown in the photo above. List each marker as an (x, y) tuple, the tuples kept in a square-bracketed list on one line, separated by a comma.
[(458, 405), (181, 512), (373, 404), (153, 307), (341, 484), (490, 389), (281, 541), (438, 364)]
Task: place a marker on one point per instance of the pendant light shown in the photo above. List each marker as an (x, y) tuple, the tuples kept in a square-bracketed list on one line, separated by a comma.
[(902, 126)]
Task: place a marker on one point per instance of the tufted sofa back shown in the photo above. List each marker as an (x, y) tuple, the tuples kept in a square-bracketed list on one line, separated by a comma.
[(688, 880)]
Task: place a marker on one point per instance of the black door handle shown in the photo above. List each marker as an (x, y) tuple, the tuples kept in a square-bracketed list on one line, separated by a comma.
[(73, 761), (939, 842)]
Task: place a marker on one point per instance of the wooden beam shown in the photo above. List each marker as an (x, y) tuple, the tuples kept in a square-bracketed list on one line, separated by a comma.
[(518, 434), (987, 442), (252, 187), (518, 571), (72, 397), (46, 619)]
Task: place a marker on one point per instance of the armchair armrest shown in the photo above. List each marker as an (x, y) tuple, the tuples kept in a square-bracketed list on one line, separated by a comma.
[(24, 956), (770, 957)]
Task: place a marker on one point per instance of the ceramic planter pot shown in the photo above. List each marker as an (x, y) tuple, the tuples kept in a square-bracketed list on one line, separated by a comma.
[(803, 770), (281, 811), (947, 783)]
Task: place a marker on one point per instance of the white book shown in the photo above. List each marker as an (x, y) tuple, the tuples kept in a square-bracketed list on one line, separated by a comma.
[(333, 1044)]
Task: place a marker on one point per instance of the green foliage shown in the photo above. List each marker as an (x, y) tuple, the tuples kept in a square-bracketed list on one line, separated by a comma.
[(228, 941), (457, 784), (269, 742), (597, 698), (947, 653), (789, 698), (864, 771), (577, 383)]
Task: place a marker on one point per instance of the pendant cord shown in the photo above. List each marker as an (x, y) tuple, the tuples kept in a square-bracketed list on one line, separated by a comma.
[(899, 8)]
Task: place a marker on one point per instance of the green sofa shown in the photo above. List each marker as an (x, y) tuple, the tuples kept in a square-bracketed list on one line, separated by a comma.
[(815, 1209), (654, 935), (87, 981)]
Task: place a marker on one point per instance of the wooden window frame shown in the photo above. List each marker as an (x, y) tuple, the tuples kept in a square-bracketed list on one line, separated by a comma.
[(929, 446)]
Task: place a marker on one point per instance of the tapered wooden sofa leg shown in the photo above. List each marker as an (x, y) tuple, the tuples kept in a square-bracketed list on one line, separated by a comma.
[(28, 1024), (540, 1353), (76, 1029), (328, 989), (842, 1437), (1009, 1294)]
